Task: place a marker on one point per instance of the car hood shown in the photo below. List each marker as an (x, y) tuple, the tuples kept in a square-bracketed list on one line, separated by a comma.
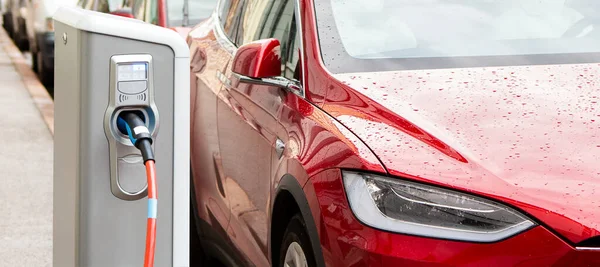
[(528, 136)]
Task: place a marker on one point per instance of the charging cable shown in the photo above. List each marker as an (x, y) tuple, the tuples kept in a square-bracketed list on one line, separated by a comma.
[(135, 127)]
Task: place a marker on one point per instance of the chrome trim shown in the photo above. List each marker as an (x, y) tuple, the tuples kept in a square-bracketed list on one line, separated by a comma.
[(296, 88), (222, 38), (279, 148), (587, 249), (299, 29), (223, 79), (281, 82)]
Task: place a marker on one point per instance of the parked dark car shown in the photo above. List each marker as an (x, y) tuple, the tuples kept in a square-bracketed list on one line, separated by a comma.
[(39, 28), (7, 17), (15, 24)]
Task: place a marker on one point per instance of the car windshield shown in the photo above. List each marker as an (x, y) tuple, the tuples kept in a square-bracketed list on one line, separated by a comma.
[(197, 11), (377, 35)]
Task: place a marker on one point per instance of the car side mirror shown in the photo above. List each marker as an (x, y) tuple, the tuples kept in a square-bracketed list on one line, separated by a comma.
[(259, 62), (259, 59)]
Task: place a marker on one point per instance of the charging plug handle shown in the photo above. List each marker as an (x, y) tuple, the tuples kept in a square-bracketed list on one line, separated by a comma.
[(145, 146), (138, 133)]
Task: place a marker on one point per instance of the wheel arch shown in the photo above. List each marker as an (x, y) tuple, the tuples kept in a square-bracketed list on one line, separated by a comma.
[(290, 199)]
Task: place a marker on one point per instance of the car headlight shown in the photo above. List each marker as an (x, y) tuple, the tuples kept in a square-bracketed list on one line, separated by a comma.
[(417, 209)]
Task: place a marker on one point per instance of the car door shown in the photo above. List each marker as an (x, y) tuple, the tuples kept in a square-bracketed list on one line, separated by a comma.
[(247, 119), (211, 50)]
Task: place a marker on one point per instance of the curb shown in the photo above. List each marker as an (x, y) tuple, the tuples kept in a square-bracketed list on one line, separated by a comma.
[(38, 92)]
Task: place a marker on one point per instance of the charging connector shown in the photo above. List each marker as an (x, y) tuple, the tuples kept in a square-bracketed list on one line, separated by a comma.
[(133, 125)]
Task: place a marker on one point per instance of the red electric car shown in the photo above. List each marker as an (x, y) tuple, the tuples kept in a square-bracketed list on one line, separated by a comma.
[(397, 133)]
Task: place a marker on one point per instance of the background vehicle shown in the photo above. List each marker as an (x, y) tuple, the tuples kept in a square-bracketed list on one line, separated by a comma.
[(18, 12), (7, 16), (162, 13), (151, 11), (40, 35), (397, 133), (183, 14)]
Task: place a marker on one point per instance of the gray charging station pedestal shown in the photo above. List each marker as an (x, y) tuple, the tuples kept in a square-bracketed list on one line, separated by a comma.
[(105, 64)]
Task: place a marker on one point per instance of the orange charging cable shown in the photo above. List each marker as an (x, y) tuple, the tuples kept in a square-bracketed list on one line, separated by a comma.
[(135, 127), (152, 210)]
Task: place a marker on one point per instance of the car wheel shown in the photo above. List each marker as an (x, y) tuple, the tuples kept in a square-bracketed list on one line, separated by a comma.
[(296, 250)]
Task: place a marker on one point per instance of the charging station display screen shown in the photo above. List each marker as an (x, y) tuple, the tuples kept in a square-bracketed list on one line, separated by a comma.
[(132, 72)]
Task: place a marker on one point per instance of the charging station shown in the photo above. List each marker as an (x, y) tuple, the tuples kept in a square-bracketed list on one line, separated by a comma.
[(106, 65)]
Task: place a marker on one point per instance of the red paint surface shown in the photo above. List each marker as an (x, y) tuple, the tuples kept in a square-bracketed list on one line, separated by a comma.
[(259, 59), (234, 189), (347, 242), (162, 13), (123, 13), (524, 136)]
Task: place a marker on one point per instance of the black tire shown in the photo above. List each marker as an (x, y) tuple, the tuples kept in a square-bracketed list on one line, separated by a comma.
[(197, 256), (34, 60), (7, 23), (23, 44), (296, 232), (21, 39), (13, 33), (46, 75), (11, 27)]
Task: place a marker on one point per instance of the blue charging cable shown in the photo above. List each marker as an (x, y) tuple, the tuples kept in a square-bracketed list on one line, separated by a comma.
[(124, 127)]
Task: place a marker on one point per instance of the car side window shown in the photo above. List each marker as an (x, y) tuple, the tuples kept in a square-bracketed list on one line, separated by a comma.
[(229, 15), (291, 67), (273, 19)]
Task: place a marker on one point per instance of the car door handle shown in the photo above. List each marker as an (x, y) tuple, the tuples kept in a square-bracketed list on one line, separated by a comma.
[(279, 148), (223, 79)]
